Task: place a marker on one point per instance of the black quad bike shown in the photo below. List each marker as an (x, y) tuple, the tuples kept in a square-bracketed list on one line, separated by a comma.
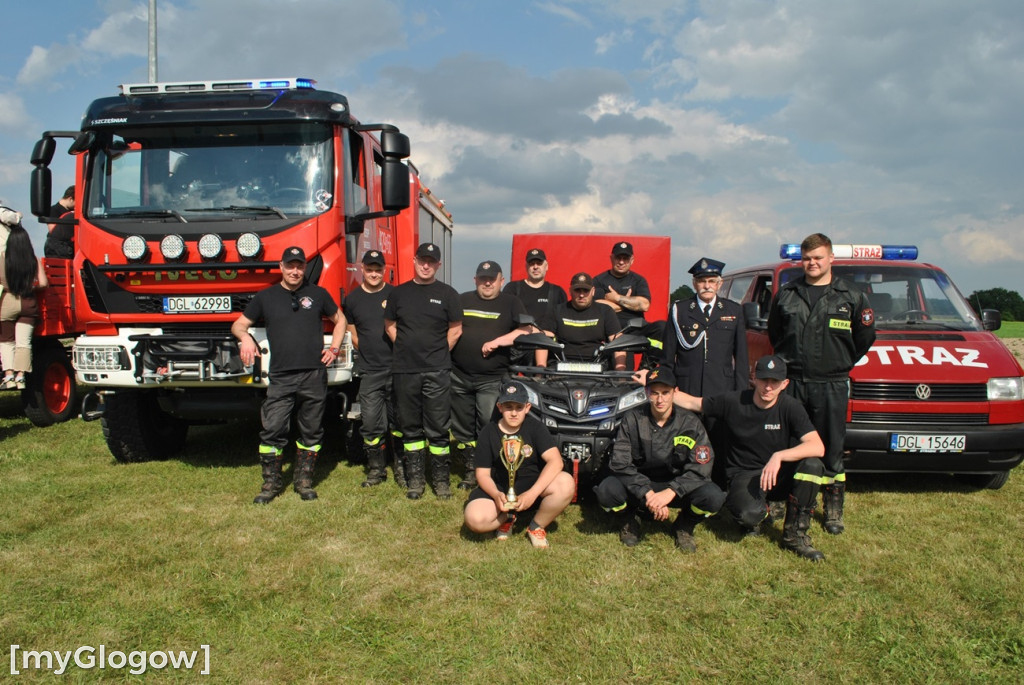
[(582, 402)]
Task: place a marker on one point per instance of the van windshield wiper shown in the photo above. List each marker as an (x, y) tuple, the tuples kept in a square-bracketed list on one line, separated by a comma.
[(147, 214), (258, 209)]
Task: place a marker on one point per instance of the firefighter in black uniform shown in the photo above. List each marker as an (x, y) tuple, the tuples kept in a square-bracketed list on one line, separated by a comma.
[(292, 312), (774, 453), (661, 458), (822, 326)]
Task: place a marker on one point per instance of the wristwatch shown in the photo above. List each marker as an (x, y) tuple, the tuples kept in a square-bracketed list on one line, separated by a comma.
[(335, 351)]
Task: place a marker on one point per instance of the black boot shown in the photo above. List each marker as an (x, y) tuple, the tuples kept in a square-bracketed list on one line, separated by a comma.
[(378, 465), (468, 481), (629, 534), (399, 468), (273, 481), (440, 475), (305, 462), (832, 497), (683, 527), (414, 473), (794, 531)]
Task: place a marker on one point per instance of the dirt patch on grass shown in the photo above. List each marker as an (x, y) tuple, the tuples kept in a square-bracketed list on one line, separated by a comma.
[(1016, 346)]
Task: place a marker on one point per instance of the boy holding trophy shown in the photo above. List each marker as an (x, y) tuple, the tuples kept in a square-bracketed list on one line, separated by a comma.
[(517, 466)]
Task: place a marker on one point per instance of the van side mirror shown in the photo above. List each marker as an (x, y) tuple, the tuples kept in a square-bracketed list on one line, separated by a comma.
[(752, 317), (991, 319)]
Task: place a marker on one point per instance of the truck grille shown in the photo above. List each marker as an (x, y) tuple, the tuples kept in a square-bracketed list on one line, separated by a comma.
[(903, 419), (907, 392)]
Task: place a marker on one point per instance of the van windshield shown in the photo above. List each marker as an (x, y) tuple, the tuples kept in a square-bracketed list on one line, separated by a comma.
[(904, 296)]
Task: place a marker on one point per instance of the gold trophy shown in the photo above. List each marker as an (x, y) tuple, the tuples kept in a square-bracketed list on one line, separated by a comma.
[(512, 458)]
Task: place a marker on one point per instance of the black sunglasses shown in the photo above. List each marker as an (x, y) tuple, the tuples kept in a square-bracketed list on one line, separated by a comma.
[(295, 302)]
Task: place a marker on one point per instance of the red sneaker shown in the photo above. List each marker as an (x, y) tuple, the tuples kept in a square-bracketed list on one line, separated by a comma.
[(538, 537), (505, 530)]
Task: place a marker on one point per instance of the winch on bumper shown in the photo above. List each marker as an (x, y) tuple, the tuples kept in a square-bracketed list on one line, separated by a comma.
[(148, 356)]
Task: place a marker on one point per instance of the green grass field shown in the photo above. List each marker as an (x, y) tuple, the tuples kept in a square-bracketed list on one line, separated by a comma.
[(364, 585), (1011, 329)]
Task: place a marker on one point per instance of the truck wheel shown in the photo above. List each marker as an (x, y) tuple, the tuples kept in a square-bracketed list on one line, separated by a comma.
[(51, 395), (136, 429), (985, 481)]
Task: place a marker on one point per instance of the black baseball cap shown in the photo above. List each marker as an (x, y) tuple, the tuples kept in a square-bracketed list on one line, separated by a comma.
[(581, 280), (373, 257), (660, 375), (429, 250), (293, 254), (513, 391), (488, 269), (622, 248), (770, 366), (536, 255)]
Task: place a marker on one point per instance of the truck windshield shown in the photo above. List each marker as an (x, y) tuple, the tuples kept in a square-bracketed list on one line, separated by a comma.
[(188, 173), (903, 297)]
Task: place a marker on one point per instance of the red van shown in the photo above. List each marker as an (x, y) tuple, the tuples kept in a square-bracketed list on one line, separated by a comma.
[(937, 392)]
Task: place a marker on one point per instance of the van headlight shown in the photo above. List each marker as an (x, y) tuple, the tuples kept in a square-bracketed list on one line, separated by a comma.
[(632, 399), (1005, 388)]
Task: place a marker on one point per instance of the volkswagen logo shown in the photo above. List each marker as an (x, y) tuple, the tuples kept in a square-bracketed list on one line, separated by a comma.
[(923, 392)]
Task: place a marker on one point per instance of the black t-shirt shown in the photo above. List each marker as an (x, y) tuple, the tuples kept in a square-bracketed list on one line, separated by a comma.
[(536, 441), (583, 331), (422, 313), (365, 311), (755, 434), (60, 241), (295, 333), (541, 303), (485, 320), (631, 281)]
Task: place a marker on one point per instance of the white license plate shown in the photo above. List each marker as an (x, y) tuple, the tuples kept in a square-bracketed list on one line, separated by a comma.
[(197, 304), (579, 367), (926, 442)]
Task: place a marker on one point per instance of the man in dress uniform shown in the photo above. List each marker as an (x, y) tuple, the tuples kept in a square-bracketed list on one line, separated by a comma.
[(706, 345)]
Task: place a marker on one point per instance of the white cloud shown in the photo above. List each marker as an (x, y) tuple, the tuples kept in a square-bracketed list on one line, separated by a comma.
[(14, 118)]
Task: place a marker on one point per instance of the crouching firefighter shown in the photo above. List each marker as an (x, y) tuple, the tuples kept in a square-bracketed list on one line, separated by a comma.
[(774, 453), (661, 459), (292, 312)]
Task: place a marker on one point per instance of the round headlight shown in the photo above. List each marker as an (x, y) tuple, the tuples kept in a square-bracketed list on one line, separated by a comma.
[(211, 246), (248, 245), (134, 247), (172, 247)]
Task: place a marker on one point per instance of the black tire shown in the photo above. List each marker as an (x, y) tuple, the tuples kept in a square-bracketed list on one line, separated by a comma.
[(136, 429), (985, 481), (51, 394)]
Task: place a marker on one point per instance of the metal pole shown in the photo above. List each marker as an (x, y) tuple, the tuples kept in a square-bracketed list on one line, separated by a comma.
[(152, 41)]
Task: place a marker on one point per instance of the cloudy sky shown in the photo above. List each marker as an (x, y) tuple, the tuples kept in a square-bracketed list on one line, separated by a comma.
[(730, 126)]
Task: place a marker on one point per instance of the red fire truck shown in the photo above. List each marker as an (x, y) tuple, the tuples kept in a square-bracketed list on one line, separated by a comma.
[(186, 195), (937, 392)]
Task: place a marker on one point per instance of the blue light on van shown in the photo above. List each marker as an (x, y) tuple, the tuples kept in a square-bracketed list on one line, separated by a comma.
[(791, 251)]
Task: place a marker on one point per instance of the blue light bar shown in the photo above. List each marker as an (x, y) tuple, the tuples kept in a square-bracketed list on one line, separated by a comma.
[(291, 83), (598, 411), (791, 251)]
